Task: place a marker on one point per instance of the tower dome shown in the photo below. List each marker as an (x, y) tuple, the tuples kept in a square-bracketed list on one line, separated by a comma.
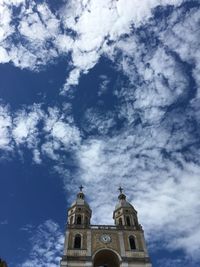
[(123, 203), (80, 199)]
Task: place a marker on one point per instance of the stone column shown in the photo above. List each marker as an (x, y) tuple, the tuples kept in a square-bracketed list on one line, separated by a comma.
[(89, 243), (66, 242), (121, 243)]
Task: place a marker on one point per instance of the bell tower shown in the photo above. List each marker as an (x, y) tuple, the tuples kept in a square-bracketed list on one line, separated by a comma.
[(118, 245), (124, 214), (79, 214)]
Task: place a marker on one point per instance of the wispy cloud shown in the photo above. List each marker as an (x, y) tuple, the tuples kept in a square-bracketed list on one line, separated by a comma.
[(47, 244), (177, 262), (5, 124), (42, 132), (5, 222)]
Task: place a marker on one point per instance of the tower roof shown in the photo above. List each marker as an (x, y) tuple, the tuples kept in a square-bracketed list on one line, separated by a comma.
[(123, 203), (80, 199)]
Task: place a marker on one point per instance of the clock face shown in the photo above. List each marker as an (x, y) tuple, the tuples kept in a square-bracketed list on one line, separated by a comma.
[(105, 238)]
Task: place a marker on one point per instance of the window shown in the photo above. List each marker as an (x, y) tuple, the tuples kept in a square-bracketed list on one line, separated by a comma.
[(120, 221), (77, 241), (128, 222), (78, 219), (132, 242)]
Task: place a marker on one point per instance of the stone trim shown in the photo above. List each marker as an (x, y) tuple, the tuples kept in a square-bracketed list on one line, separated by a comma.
[(76, 258), (136, 260)]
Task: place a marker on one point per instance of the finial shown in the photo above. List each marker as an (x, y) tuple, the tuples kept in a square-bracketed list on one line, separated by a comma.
[(121, 195), (81, 188), (120, 189)]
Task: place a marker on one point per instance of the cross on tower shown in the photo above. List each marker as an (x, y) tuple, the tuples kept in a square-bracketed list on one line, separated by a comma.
[(120, 189), (81, 188)]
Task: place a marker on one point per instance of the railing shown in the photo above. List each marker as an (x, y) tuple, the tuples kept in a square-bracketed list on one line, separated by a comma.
[(106, 227), (135, 254), (76, 252)]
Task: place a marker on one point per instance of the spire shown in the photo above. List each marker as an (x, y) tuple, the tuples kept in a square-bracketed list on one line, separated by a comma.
[(80, 195), (81, 188), (121, 195), (120, 189)]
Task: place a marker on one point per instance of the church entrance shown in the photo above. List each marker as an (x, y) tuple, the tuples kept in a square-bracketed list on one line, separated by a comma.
[(106, 258)]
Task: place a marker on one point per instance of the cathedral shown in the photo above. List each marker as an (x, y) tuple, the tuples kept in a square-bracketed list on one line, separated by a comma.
[(118, 245)]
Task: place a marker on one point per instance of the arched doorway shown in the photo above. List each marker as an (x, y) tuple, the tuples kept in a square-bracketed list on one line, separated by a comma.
[(106, 258)]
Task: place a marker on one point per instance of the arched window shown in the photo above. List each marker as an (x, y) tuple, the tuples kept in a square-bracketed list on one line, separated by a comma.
[(120, 221), (128, 221), (132, 242), (77, 241), (78, 219)]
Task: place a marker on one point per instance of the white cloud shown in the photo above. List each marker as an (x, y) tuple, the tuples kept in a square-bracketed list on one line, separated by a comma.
[(47, 244), (36, 156), (61, 128), (132, 11), (5, 127), (92, 23), (25, 126), (185, 45), (65, 133), (94, 120), (96, 22), (5, 222), (44, 133), (25, 43), (6, 17), (175, 262), (4, 55), (39, 26)]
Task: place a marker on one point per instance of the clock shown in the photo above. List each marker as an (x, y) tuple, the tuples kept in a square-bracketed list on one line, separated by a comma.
[(105, 238)]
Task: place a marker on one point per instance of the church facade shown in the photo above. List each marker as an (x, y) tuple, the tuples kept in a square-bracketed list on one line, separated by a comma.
[(118, 245)]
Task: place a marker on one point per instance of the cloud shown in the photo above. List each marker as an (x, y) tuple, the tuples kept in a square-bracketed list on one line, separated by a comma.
[(5, 222), (81, 29), (47, 243), (43, 133), (28, 34), (98, 23), (187, 46), (5, 124), (178, 262), (25, 126)]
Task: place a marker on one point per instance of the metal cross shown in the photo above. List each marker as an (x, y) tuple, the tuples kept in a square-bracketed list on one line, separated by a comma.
[(120, 189), (81, 188)]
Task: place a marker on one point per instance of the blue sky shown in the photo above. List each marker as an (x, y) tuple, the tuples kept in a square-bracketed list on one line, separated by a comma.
[(100, 93)]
